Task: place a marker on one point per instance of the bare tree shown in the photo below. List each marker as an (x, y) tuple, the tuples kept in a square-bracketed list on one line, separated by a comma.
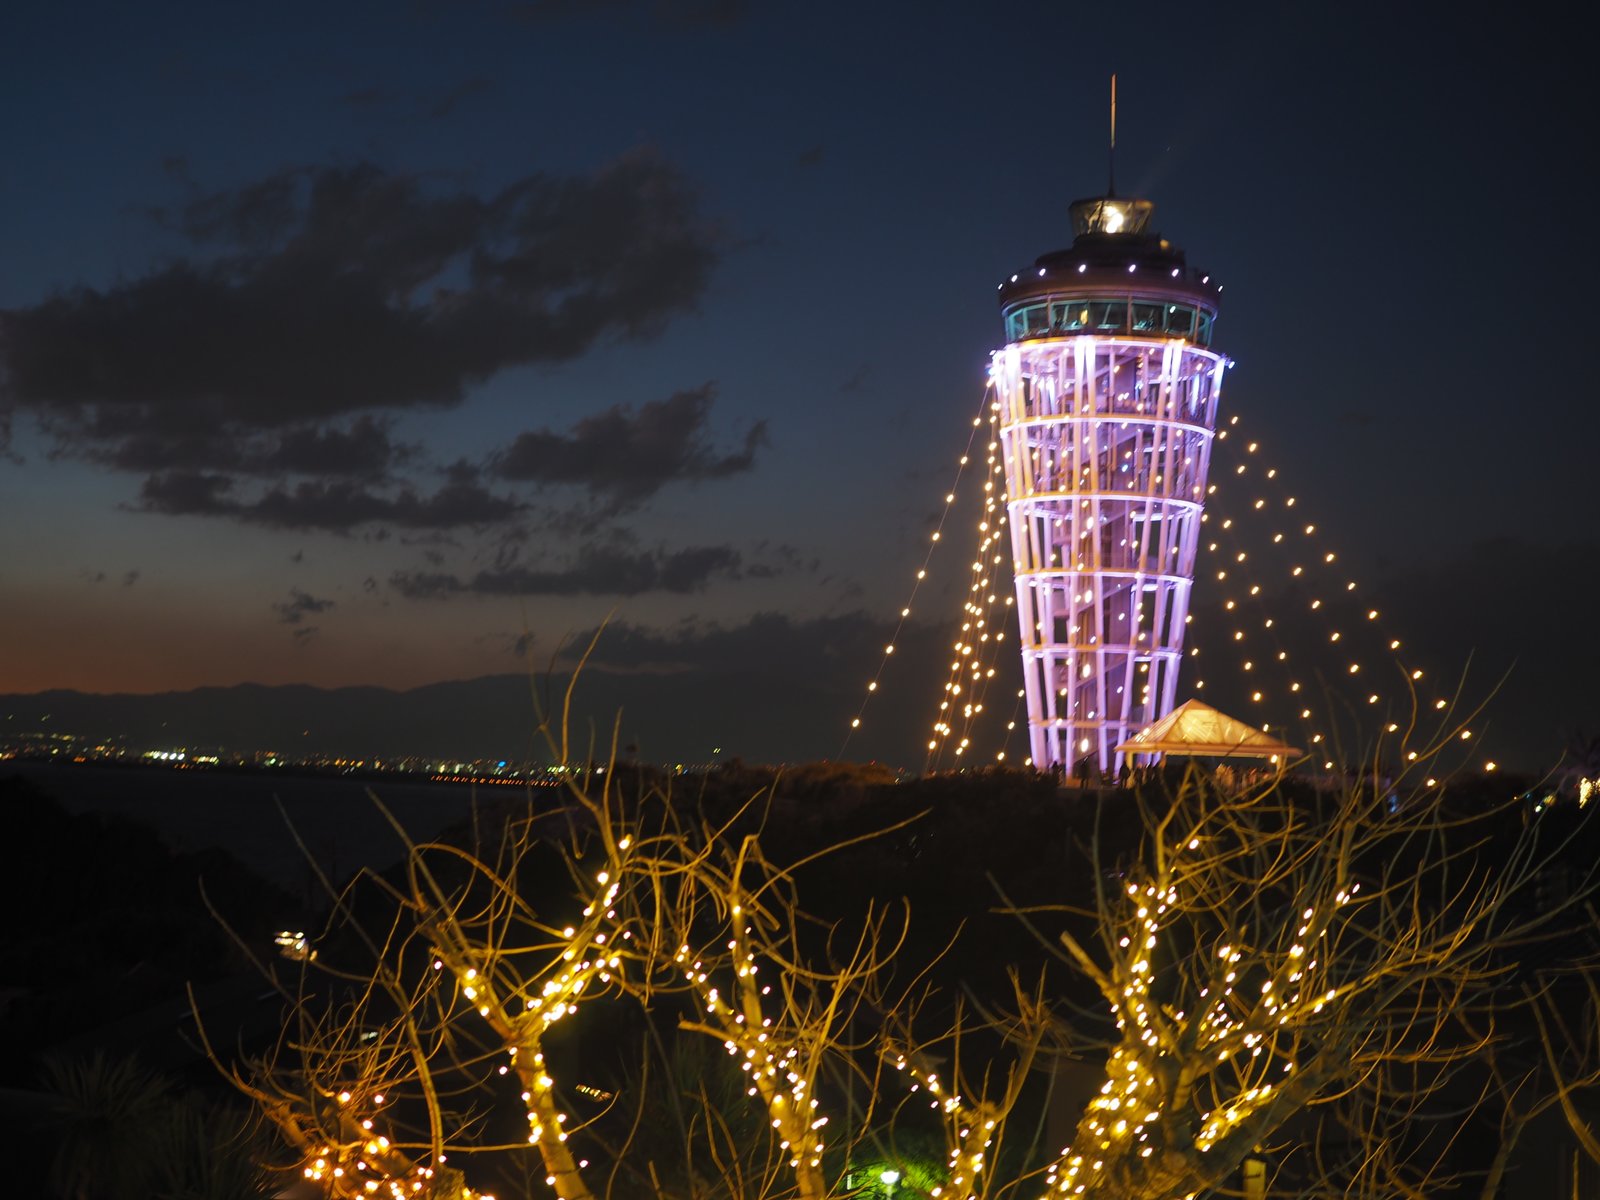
[(1290, 966), (1275, 973)]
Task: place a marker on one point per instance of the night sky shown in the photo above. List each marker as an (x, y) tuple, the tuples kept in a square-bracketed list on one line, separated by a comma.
[(391, 344)]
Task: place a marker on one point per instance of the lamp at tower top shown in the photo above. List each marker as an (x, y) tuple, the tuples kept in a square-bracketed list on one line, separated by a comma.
[(1111, 214), (1116, 277)]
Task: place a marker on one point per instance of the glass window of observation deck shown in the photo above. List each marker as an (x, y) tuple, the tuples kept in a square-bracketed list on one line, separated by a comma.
[(1058, 316), (1028, 321), (1069, 316), (1108, 315), (1148, 318)]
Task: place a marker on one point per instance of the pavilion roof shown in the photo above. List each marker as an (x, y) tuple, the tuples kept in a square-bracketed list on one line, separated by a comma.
[(1199, 730)]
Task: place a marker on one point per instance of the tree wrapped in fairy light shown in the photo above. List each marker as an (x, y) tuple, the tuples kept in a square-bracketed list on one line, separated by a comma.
[(1270, 973), (428, 1018), (1288, 978), (430, 1014), (1106, 393)]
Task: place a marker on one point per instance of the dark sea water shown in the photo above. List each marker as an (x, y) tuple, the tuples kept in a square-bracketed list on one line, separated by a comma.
[(250, 816)]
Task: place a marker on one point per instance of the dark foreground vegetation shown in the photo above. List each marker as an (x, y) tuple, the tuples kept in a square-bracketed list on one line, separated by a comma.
[(940, 961)]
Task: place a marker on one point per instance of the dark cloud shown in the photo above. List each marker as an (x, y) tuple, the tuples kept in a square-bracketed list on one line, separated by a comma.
[(628, 455), (251, 218), (596, 572), (811, 156), (298, 606), (335, 506), (780, 558), (185, 492), (130, 578), (427, 585), (360, 449), (325, 294), (363, 449), (304, 634)]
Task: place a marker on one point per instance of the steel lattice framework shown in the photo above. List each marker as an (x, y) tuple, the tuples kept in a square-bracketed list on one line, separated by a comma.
[(1107, 394)]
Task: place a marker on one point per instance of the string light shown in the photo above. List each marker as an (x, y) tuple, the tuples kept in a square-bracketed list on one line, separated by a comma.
[(921, 574), (1250, 1038), (778, 1065), (1227, 525), (982, 631), (977, 645), (970, 1128), (588, 958)]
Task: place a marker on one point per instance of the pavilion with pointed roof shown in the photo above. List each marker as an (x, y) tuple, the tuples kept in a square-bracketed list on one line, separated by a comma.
[(1200, 731)]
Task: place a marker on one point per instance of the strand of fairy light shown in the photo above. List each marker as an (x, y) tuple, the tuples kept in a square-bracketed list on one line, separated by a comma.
[(980, 605), (976, 646), (1125, 1119), (1372, 698), (985, 669), (969, 1134), (1269, 623), (920, 577), (590, 954), (984, 656), (1011, 725), (983, 672), (367, 1163), (776, 1073), (1282, 657), (1323, 558)]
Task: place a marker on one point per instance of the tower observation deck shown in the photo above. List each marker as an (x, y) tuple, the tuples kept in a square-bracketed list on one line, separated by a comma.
[(1107, 393)]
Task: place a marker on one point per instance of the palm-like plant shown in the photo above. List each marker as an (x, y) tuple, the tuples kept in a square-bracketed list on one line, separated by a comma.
[(120, 1133), (101, 1119), (207, 1153)]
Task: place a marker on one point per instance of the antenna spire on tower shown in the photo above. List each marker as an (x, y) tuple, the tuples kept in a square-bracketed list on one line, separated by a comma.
[(1111, 182)]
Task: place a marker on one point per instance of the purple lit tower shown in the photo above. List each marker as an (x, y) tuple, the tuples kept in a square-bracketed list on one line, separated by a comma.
[(1106, 393)]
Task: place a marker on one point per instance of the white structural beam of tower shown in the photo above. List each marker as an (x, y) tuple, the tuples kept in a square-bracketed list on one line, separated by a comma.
[(1106, 393)]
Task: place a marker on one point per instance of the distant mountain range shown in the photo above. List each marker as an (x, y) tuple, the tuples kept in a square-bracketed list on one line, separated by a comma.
[(688, 717)]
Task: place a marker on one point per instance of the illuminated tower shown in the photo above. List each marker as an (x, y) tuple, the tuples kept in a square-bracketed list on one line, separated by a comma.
[(1107, 398)]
